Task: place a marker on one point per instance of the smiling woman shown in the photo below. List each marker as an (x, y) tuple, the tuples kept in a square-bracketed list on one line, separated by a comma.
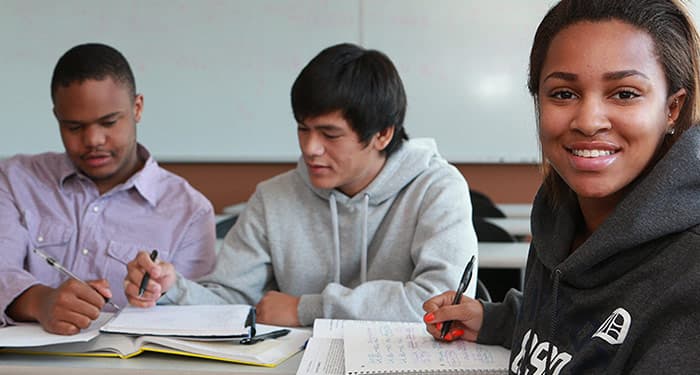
[(616, 225), (602, 124)]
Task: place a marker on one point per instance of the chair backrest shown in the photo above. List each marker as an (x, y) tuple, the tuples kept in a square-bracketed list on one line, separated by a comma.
[(482, 292), (499, 280), (483, 206), (223, 226), (490, 232)]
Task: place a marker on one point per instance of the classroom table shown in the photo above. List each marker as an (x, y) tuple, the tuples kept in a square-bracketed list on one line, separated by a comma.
[(516, 226), (515, 209), (143, 364), (503, 254)]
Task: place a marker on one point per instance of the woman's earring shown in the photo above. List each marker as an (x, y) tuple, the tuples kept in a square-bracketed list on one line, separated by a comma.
[(671, 131)]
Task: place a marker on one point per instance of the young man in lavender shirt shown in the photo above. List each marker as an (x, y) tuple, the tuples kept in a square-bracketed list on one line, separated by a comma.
[(94, 207)]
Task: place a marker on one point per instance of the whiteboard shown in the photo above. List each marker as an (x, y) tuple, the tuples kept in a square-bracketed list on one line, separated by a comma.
[(216, 74)]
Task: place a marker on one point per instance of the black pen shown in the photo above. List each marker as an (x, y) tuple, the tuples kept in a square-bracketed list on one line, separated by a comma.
[(146, 276), (269, 335), (58, 266), (463, 283)]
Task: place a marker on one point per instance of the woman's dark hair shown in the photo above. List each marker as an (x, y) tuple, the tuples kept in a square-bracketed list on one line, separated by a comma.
[(669, 24)]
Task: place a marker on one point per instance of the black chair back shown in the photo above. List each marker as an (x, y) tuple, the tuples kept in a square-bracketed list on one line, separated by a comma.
[(483, 206), (223, 226)]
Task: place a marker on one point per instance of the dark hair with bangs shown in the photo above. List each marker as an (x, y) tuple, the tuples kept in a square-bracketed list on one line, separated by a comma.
[(362, 84)]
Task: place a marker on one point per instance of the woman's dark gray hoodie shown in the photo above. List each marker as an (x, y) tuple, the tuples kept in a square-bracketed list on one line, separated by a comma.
[(628, 299)]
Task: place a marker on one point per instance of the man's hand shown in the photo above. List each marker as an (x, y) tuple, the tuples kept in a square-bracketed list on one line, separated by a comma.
[(64, 310), (162, 277), (278, 309)]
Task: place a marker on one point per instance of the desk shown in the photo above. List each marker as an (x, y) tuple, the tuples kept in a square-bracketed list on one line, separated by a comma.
[(503, 254), (222, 217), (516, 226), (143, 364), (515, 209)]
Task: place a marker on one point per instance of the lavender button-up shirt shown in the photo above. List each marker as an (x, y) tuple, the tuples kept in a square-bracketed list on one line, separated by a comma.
[(46, 203)]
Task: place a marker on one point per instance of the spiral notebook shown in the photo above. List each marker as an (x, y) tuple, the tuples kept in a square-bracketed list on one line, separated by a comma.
[(406, 348)]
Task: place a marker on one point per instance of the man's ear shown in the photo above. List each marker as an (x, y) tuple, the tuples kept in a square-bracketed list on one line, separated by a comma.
[(138, 107), (383, 138)]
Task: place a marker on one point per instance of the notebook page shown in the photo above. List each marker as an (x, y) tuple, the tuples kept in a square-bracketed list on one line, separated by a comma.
[(32, 334), (188, 320), (323, 356), (268, 352), (386, 347), (329, 328)]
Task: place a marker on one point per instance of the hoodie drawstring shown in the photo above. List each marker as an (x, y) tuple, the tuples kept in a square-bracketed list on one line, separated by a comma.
[(553, 322), (553, 326), (336, 237), (363, 259)]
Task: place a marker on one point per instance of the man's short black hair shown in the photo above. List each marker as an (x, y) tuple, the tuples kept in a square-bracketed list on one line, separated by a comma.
[(362, 84), (92, 61)]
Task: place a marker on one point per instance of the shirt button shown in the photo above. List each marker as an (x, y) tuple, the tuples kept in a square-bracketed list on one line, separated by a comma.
[(85, 251), (95, 208), (40, 239)]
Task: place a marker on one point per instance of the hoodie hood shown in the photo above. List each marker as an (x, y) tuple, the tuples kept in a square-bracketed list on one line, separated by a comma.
[(402, 167), (662, 203), (410, 160)]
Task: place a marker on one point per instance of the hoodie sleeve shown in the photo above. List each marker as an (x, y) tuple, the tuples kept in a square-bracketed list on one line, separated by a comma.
[(499, 320), (440, 239), (242, 271)]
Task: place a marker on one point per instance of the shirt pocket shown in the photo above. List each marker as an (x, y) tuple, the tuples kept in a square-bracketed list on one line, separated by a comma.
[(50, 235), (53, 238)]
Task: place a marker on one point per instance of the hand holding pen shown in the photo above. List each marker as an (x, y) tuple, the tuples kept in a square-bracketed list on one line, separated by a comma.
[(147, 279), (463, 284), (147, 276), (64, 310), (450, 315), (59, 267)]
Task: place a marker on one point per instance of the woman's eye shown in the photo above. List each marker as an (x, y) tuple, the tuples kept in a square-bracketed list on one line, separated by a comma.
[(563, 95), (626, 94)]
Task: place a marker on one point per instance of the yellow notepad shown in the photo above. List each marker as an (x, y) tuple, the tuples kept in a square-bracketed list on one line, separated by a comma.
[(267, 353), (147, 328)]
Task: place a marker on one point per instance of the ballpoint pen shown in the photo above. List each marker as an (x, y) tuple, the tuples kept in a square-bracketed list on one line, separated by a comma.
[(463, 283), (269, 335), (58, 266), (147, 276)]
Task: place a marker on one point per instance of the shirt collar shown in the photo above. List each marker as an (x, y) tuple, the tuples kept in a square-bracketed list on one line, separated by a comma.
[(145, 181)]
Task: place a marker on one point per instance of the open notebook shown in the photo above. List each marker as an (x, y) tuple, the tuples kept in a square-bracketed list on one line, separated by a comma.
[(32, 339), (373, 347)]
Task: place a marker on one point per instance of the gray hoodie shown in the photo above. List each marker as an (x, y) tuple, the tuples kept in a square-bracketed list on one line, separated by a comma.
[(377, 255), (628, 299)]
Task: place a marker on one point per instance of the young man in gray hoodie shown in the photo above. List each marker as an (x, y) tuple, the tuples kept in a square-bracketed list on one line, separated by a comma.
[(367, 226)]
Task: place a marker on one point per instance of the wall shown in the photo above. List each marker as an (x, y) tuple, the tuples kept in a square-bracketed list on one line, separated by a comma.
[(216, 74), (229, 183)]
